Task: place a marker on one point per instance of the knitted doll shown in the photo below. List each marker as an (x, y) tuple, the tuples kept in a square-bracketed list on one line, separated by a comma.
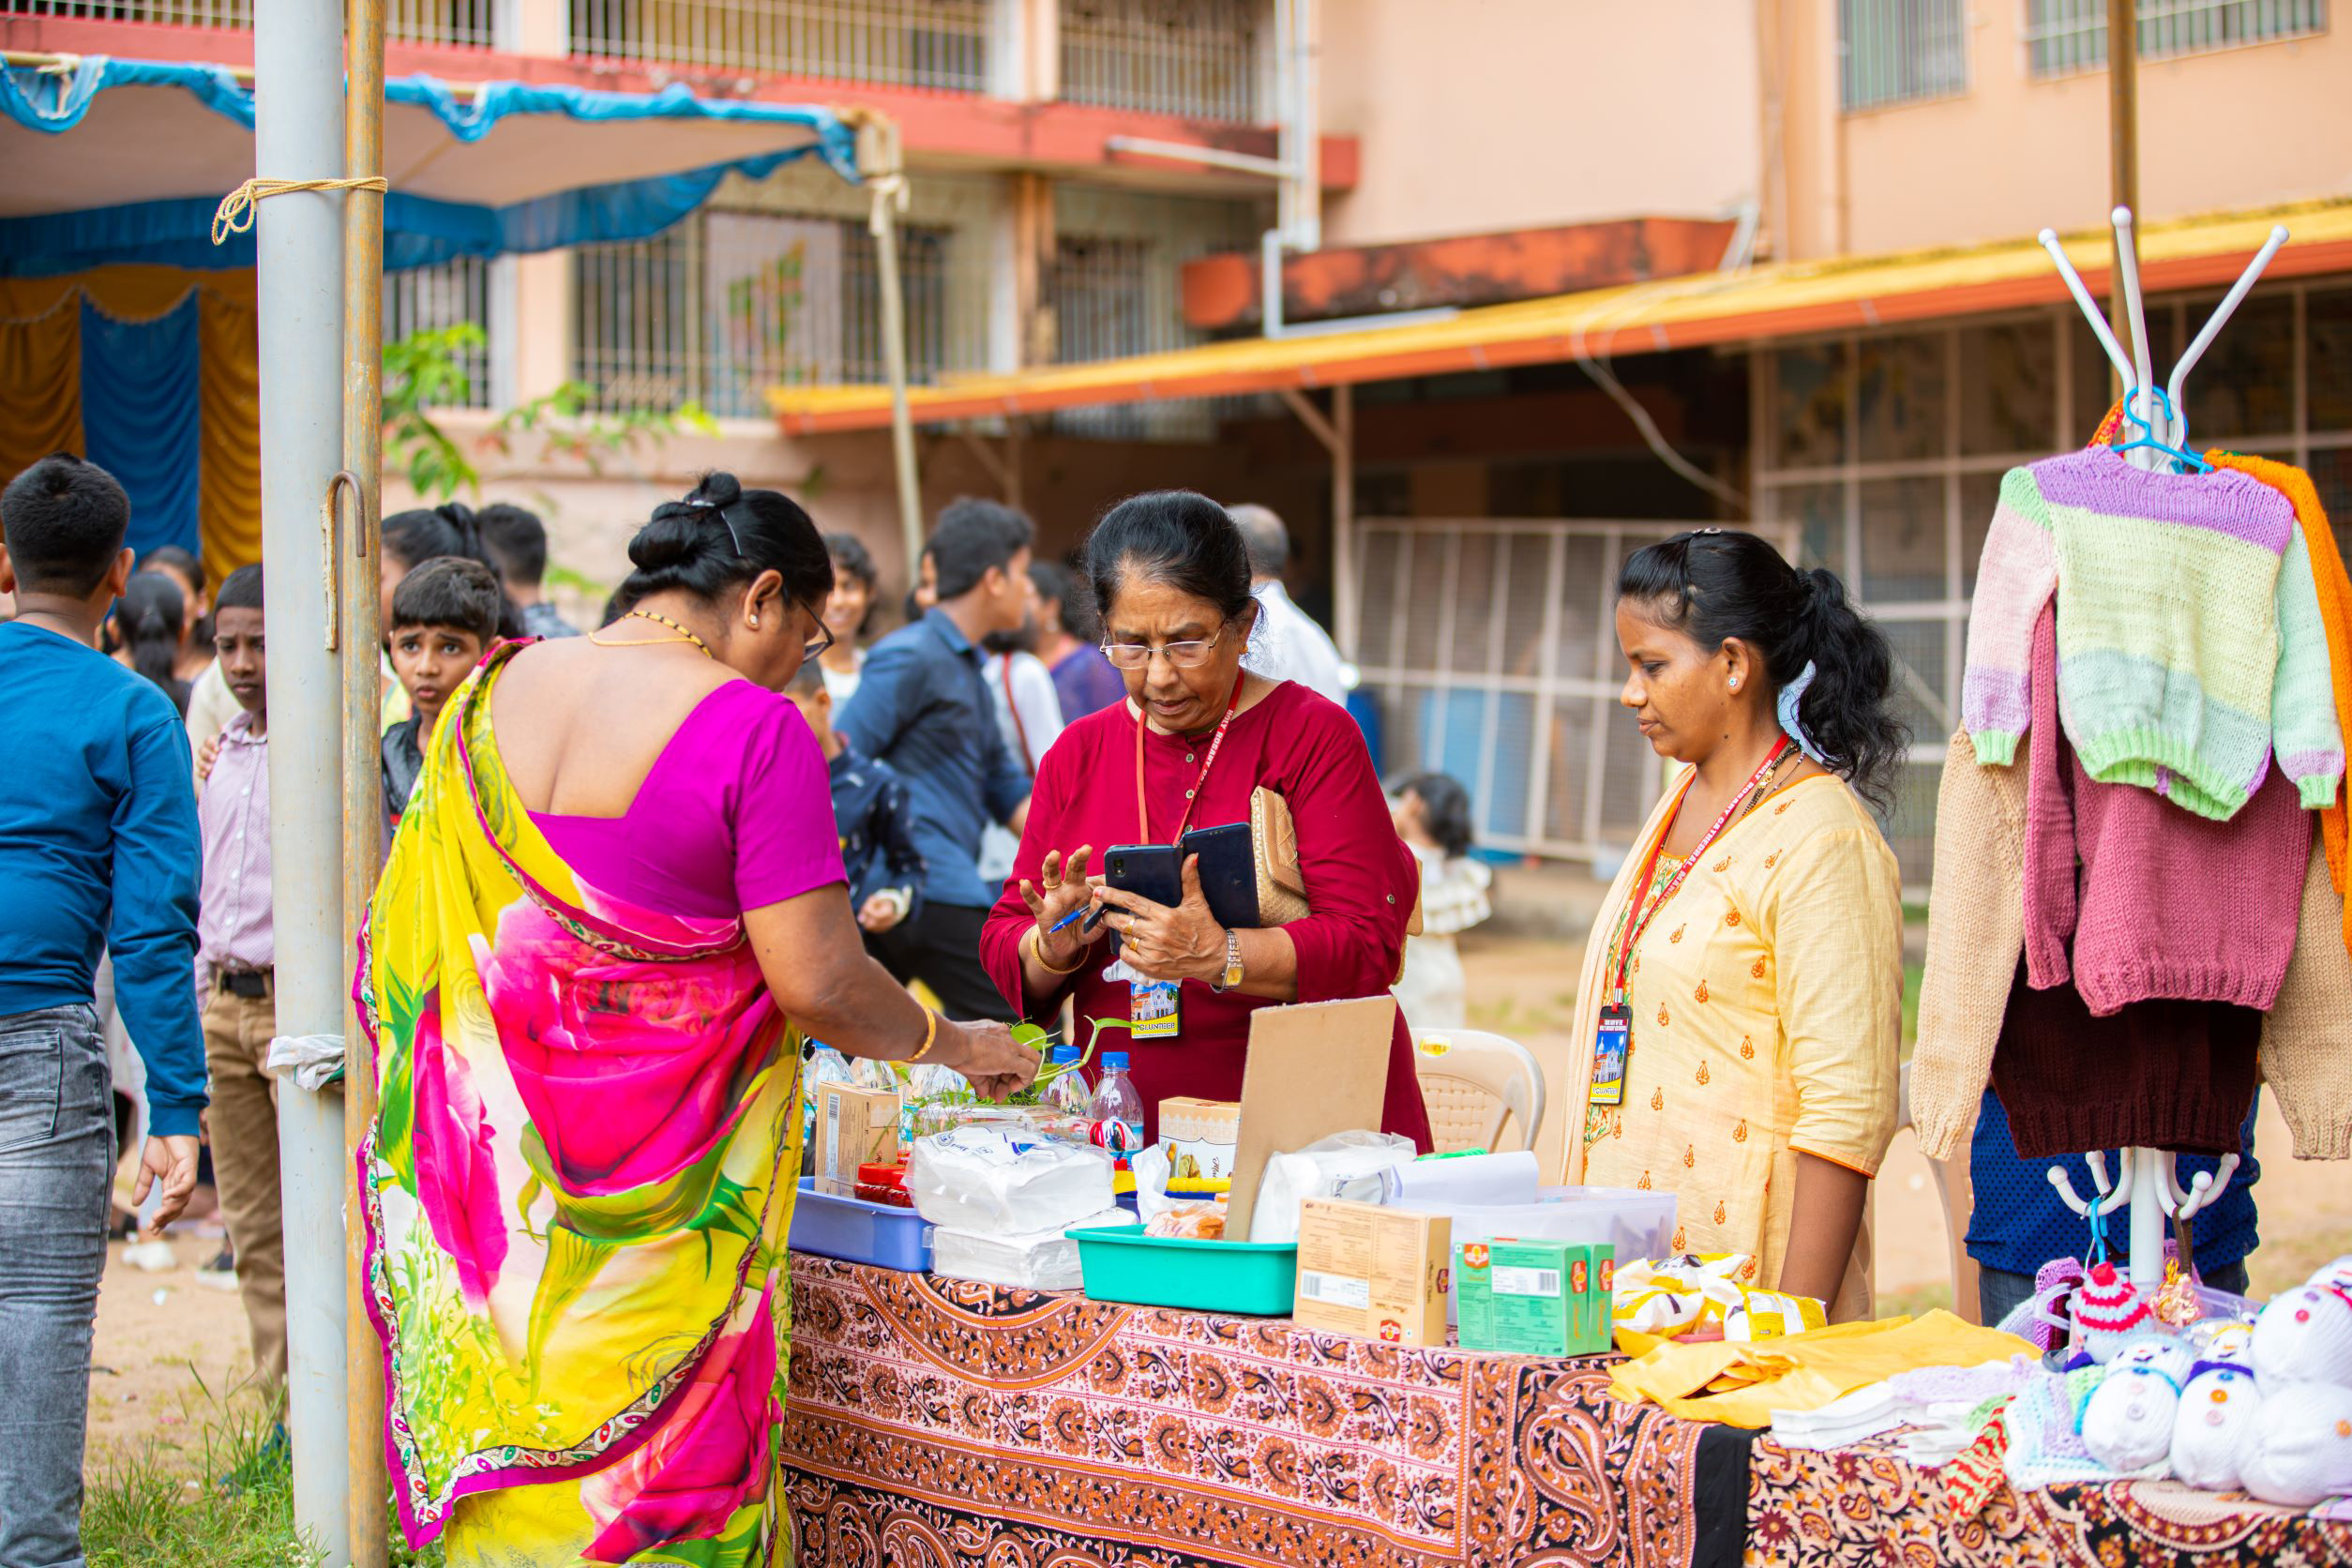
[(2300, 1452), (2303, 1336), (2128, 1424), (2217, 1410), (2107, 1310)]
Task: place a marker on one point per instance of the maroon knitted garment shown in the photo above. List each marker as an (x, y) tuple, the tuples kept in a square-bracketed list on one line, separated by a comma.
[(2156, 1075), (2166, 904)]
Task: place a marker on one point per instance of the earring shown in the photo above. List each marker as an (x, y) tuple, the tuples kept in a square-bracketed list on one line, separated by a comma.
[(754, 622), (1735, 683)]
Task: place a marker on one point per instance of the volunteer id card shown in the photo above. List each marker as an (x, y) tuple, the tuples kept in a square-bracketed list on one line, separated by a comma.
[(1612, 1041)]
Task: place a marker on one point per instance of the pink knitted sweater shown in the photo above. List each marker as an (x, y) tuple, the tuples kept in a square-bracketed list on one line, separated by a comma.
[(2164, 904)]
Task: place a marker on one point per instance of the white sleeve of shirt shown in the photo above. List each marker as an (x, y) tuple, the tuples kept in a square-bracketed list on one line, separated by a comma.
[(1294, 648)]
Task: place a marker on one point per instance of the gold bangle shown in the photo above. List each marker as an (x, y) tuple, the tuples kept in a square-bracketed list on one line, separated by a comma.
[(930, 1036), (1038, 951)]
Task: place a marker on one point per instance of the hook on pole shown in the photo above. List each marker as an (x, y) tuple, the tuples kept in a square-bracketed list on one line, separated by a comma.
[(2213, 323), (2089, 307)]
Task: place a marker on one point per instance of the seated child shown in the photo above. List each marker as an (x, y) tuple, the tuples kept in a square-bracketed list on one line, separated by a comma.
[(871, 812), (1433, 817), (444, 613)]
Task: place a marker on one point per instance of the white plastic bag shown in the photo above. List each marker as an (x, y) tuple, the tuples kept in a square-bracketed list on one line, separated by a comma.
[(1041, 1260), (1353, 1165), (976, 1180)]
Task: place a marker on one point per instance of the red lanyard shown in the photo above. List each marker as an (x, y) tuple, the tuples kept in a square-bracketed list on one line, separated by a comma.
[(1636, 918), (1216, 743)]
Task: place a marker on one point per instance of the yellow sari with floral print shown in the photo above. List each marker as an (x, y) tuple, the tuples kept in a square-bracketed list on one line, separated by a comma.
[(576, 1194)]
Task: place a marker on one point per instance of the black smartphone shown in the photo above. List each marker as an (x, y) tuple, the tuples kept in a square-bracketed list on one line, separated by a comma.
[(1152, 872), (1229, 872)]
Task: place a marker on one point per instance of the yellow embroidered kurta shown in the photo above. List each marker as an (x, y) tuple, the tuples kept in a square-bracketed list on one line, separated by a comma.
[(1766, 999)]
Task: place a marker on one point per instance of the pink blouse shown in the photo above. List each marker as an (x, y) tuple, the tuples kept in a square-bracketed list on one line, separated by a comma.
[(735, 814)]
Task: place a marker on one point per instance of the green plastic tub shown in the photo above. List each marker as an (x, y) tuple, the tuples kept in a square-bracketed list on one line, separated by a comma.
[(1123, 1265)]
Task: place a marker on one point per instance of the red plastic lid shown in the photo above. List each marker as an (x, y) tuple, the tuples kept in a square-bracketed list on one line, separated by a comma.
[(881, 1175)]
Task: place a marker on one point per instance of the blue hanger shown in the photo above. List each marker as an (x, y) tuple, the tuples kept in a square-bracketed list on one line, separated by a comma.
[(2098, 1251), (2188, 461)]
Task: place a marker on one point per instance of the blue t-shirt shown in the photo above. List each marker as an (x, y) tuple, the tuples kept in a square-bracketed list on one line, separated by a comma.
[(100, 853), (923, 706), (2020, 1223)]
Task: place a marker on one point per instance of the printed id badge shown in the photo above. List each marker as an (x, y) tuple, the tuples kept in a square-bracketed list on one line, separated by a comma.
[(1151, 1010), (1612, 1041)]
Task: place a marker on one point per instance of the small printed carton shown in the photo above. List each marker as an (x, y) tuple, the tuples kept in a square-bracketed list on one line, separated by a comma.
[(856, 1126), (1372, 1272)]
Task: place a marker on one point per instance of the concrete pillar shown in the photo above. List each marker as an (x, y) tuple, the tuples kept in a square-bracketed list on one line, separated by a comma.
[(540, 308)]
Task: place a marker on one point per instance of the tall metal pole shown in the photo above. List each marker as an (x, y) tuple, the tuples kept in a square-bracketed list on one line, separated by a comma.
[(298, 79), (362, 693), (879, 160), (2123, 152), (1346, 595)]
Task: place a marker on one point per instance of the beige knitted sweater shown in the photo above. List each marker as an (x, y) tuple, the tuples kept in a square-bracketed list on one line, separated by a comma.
[(1976, 929)]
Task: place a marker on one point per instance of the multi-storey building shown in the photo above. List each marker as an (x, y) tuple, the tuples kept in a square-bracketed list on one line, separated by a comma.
[(1795, 234)]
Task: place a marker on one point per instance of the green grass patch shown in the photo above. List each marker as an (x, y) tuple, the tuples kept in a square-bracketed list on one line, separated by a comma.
[(144, 1506)]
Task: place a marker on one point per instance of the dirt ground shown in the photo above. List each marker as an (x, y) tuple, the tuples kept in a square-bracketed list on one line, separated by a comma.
[(167, 1348)]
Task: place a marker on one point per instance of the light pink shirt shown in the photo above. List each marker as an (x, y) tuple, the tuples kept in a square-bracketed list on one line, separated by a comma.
[(234, 929)]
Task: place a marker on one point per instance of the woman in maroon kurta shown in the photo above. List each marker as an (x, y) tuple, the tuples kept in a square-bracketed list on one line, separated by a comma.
[(1172, 579)]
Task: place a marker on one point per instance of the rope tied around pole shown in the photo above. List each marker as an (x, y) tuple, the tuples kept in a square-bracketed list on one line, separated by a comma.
[(237, 211)]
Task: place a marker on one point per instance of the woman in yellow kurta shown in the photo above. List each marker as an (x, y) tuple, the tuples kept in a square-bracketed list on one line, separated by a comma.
[(1741, 1000)]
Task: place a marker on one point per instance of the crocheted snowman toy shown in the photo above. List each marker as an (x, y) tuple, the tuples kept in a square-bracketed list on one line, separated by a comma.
[(2108, 1310), (2128, 1421), (2300, 1452), (2216, 1417), (2303, 1336)]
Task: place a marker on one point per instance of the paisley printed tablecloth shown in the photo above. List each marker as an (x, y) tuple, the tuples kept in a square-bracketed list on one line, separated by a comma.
[(932, 1425), (1865, 1505)]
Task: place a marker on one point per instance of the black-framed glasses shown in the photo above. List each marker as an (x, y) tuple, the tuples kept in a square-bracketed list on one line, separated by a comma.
[(1191, 653), (820, 645)]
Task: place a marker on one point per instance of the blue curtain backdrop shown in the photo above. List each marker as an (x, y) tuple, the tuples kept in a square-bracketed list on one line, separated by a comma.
[(141, 418)]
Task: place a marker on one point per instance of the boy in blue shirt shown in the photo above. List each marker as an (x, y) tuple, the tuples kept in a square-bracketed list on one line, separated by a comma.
[(97, 854), (872, 811)]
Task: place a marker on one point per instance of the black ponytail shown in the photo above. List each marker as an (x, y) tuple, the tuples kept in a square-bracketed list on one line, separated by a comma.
[(723, 537), (147, 621), (1722, 583), (414, 538)]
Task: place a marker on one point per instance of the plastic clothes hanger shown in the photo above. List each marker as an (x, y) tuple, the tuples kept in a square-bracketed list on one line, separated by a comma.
[(2166, 419)]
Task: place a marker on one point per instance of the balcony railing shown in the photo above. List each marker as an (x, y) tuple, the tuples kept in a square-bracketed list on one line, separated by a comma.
[(941, 44), (1198, 58), (2063, 36), (462, 23)]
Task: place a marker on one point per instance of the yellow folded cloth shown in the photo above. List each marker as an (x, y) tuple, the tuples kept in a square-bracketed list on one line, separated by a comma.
[(1741, 1384)]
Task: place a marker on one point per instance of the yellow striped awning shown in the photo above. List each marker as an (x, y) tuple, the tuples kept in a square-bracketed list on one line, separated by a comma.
[(1779, 300)]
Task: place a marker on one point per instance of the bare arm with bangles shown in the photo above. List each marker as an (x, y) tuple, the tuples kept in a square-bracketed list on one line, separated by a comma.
[(817, 970), (1161, 942)]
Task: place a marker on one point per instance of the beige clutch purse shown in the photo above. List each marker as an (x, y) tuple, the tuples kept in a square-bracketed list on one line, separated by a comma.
[(1273, 840)]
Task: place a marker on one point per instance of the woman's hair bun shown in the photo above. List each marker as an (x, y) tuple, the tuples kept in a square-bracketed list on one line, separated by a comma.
[(718, 489), (681, 532)]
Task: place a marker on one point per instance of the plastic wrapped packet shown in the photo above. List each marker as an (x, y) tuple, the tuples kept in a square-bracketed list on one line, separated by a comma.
[(1190, 1219), (867, 1073), (1039, 1260), (989, 1183), (1695, 1294), (824, 1065), (1353, 1165)]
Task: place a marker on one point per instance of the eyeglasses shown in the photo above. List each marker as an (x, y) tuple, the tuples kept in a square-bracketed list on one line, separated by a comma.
[(1189, 654), (818, 646)]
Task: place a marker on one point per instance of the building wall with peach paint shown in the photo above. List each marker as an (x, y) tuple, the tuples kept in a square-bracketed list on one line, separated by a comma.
[(1477, 116)]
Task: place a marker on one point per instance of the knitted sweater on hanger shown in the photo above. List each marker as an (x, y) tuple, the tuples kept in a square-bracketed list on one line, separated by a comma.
[(1976, 929), (2335, 615), (2132, 899), (2190, 640)]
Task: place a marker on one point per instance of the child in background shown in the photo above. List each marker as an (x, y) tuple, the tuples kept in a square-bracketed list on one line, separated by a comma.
[(1432, 816), (443, 614), (237, 959), (870, 812)]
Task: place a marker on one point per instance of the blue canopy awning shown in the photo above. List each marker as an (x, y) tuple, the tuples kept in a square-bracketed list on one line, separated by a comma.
[(105, 160)]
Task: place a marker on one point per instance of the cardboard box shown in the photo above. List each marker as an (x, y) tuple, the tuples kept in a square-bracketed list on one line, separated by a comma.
[(1595, 1280), (856, 1126), (1202, 1138), (1313, 1069), (1515, 1296), (1374, 1273)]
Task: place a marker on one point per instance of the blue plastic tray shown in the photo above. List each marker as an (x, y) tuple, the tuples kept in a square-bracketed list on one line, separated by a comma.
[(856, 1231)]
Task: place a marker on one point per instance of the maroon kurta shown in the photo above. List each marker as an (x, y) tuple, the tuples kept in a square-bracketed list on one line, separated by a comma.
[(1360, 881)]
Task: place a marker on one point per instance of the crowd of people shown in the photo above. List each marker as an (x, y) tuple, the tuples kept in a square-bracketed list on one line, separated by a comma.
[(632, 869)]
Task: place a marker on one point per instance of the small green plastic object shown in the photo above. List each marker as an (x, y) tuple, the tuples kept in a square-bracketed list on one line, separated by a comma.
[(1120, 1263)]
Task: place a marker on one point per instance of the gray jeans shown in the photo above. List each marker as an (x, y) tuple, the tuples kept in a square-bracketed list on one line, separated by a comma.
[(56, 1159)]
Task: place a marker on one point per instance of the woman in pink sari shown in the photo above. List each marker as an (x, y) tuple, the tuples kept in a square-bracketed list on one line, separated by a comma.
[(613, 908)]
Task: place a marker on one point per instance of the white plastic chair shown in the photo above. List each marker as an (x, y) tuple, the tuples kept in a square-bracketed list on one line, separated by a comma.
[(1475, 1084)]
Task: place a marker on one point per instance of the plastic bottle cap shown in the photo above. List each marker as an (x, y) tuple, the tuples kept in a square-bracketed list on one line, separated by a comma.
[(1062, 1054), (1114, 1062)]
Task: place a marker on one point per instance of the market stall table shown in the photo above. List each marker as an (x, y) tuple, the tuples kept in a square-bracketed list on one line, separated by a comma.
[(932, 1423)]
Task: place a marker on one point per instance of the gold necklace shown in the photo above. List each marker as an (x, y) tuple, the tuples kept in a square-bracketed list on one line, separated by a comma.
[(684, 633)]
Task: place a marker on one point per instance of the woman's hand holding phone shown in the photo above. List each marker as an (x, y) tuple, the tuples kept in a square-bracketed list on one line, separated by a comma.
[(1165, 942)]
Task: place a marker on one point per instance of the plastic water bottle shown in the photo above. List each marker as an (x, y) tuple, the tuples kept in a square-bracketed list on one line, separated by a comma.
[(1116, 1100), (1067, 1093)]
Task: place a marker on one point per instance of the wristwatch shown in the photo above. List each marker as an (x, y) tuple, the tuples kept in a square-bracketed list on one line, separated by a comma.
[(1232, 976)]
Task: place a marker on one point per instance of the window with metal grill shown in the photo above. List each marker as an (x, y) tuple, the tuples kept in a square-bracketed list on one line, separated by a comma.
[(1900, 51)]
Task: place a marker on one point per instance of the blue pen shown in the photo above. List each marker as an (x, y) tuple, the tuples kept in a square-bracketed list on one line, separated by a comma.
[(1066, 921)]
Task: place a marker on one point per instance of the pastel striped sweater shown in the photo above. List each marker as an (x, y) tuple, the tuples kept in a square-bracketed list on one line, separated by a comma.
[(2190, 649)]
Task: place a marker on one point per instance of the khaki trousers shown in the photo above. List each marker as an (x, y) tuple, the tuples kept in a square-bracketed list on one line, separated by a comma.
[(244, 1124)]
